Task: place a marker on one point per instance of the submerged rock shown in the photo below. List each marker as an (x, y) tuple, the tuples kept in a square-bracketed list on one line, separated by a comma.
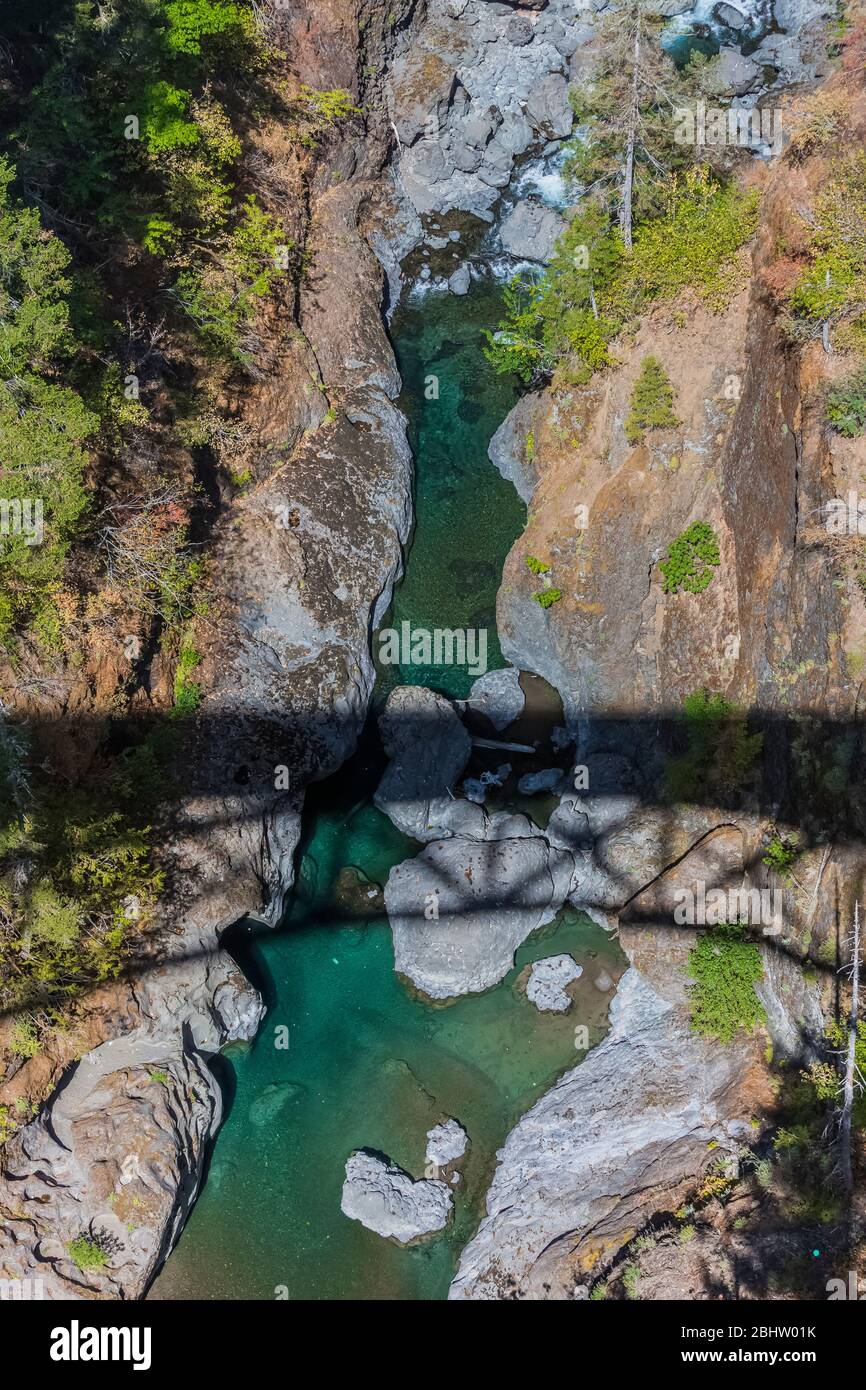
[(269, 1102), (548, 780), (390, 1202), (547, 981), (355, 896), (446, 1143), (459, 910)]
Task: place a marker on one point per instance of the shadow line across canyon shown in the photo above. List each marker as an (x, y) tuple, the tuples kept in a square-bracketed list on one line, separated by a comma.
[(807, 778)]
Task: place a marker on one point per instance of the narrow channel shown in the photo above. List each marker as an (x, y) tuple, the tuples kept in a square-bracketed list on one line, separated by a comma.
[(368, 1064)]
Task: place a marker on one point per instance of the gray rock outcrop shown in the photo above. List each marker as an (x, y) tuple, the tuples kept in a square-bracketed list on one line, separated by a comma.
[(428, 749), (548, 978), (459, 910), (388, 1201), (577, 1172), (477, 86), (446, 1143), (510, 450)]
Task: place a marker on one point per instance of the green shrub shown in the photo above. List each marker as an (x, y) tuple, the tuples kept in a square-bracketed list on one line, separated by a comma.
[(87, 1254), (846, 406), (187, 692), (651, 403), (722, 755), (693, 244), (834, 285), (551, 318), (43, 425), (164, 124), (24, 1041), (547, 597), (192, 24), (631, 1279), (725, 969), (692, 559), (780, 854), (90, 878), (536, 566)]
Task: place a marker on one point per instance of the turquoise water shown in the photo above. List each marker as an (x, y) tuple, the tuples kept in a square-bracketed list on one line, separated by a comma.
[(367, 1063), (467, 516)]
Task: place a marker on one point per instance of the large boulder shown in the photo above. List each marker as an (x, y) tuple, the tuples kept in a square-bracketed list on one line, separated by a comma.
[(732, 74), (549, 108), (547, 982), (446, 1143), (499, 696), (531, 231), (390, 1202), (460, 909), (632, 1126), (428, 748)]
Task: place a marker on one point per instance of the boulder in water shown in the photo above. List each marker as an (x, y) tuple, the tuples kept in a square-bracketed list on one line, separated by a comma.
[(547, 981), (498, 695), (548, 780), (460, 909), (531, 231), (429, 748), (730, 16), (460, 281), (446, 1143), (390, 1202), (733, 74)]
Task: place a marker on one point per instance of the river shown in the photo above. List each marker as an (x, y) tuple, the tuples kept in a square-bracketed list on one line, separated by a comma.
[(367, 1064)]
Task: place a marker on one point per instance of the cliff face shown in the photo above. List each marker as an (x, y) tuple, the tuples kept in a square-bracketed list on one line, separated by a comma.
[(303, 564), (778, 631)]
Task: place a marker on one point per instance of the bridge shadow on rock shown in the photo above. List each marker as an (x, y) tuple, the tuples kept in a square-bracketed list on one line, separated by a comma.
[(651, 791)]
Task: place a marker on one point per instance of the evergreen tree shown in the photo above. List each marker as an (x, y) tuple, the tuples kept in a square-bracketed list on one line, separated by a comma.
[(628, 108), (652, 401)]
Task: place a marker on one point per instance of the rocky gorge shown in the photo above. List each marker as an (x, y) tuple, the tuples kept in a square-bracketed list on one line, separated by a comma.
[(461, 99)]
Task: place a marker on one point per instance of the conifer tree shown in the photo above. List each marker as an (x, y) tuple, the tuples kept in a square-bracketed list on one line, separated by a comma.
[(652, 401)]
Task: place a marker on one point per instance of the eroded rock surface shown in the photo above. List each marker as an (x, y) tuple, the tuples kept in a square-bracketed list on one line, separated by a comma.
[(582, 1167), (459, 910), (388, 1201), (428, 748)]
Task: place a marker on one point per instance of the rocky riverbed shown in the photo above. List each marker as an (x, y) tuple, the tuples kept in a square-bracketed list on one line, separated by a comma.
[(467, 93)]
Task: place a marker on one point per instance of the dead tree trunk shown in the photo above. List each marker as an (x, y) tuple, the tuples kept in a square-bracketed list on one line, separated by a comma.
[(625, 207)]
